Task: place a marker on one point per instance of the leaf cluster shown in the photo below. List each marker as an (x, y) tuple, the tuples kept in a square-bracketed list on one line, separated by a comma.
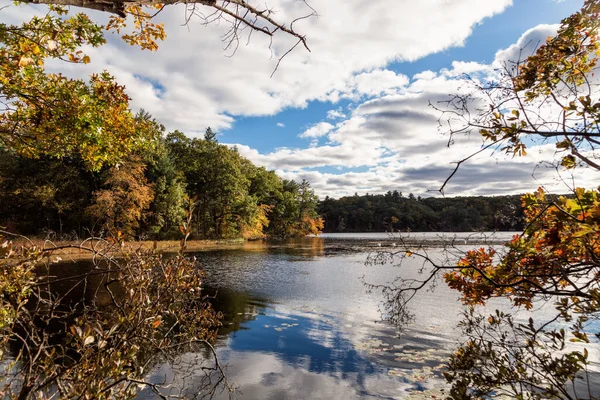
[(100, 344)]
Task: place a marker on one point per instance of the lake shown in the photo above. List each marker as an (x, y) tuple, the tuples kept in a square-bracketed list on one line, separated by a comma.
[(300, 323)]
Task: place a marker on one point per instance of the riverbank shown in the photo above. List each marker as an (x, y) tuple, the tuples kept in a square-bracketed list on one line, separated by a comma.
[(88, 248), (328, 244)]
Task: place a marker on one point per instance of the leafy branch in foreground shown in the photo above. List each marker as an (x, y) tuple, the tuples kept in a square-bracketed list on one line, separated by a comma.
[(551, 97), (49, 114), (96, 332), (555, 260)]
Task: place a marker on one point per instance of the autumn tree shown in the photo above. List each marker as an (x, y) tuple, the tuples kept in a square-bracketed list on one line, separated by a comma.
[(294, 213), (119, 207), (552, 96), (50, 114)]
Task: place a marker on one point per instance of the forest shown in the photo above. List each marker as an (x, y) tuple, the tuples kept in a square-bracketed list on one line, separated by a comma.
[(393, 212), (152, 191), (149, 194)]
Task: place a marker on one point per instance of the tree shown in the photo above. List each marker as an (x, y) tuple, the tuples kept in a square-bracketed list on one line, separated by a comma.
[(49, 114), (42, 194), (215, 178), (96, 333), (294, 211), (167, 210), (553, 95), (555, 259), (209, 135), (120, 206)]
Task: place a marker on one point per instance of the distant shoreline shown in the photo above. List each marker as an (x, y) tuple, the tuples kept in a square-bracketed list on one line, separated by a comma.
[(365, 241)]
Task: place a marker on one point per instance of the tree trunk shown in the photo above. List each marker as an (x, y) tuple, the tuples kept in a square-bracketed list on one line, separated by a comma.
[(113, 6)]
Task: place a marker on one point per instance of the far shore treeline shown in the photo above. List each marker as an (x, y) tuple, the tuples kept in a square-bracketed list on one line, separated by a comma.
[(394, 212), (152, 192)]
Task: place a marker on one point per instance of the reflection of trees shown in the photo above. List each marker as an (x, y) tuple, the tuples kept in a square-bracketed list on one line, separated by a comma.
[(94, 329), (237, 308), (305, 246)]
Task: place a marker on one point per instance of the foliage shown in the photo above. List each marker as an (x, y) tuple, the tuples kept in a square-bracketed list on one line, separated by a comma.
[(555, 259), (50, 114), (256, 223), (235, 198), (309, 221), (552, 96), (241, 17), (146, 195), (43, 193), (167, 210), (394, 212), (99, 345), (120, 206), (556, 250)]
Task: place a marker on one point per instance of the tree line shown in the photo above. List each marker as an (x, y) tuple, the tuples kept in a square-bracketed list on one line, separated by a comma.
[(393, 212), (152, 191)]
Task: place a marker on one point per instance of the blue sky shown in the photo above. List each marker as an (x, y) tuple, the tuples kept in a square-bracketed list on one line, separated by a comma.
[(490, 35), (352, 115)]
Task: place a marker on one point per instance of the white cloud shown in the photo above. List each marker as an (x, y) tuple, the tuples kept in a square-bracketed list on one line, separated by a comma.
[(335, 114), (395, 141), (280, 125), (426, 75), (317, 130), (525, 46), (466, 68), (370, 84), (195, 85)]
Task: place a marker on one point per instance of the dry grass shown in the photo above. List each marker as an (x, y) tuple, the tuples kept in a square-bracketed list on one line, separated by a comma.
[(73, 250)]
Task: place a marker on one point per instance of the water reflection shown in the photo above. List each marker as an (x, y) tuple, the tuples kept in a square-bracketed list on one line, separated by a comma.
[(299, 324), (304, 327), (283, 353), (301, 247)]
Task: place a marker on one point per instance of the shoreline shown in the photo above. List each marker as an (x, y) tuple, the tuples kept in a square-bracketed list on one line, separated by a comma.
[(60, 251), (88, 248)]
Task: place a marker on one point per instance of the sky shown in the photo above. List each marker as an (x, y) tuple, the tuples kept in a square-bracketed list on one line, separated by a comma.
[(352, 115)]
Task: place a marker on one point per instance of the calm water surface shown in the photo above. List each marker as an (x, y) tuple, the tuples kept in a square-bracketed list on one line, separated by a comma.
[(300, 323)]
